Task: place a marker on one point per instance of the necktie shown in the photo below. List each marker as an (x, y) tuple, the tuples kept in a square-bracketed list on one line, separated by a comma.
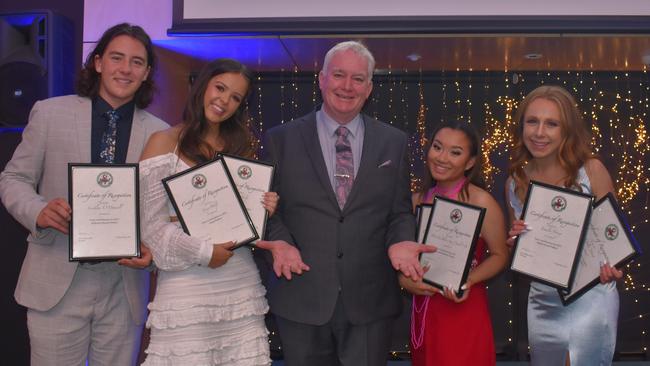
[(107, 147), (344, 170)]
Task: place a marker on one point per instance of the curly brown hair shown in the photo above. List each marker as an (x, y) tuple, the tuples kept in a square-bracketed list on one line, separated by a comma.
[(574, 148)]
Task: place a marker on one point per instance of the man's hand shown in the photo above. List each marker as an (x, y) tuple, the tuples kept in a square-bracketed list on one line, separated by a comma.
[(286, 258), (56, 214), (404, 256), (138, 263)]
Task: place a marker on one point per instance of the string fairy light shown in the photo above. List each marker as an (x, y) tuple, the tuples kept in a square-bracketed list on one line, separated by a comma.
[(260, 118), (420, 137), (497, 137)]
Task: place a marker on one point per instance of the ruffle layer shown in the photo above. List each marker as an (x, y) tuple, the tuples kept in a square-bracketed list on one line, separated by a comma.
[(248, 347), (231, 297), (206, 314)]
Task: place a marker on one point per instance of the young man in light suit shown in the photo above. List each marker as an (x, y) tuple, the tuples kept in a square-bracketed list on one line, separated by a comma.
[(345, 207), (82, 311)]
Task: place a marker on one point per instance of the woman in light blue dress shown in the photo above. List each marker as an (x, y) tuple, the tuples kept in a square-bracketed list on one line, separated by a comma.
[(552, 145)]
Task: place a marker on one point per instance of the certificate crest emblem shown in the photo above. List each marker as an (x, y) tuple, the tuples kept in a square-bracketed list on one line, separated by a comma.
[(244, 172), (199, 181), (456, 215), (558, 203), (611, 232), (104, 179)]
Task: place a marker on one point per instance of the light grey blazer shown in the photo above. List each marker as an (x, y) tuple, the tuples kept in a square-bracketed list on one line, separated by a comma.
[(59, 132), (345, 248)]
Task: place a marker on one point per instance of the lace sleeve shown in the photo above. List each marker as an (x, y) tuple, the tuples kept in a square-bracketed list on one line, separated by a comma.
[(172, 248)]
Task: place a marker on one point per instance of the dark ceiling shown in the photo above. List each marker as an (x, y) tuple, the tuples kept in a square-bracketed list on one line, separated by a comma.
[(427, 43), (432, 52)]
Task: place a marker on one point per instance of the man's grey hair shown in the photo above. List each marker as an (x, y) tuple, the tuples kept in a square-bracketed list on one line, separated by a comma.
[(356, 47)]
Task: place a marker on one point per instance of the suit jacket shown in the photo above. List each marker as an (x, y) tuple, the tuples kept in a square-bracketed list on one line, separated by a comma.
[(58, 132), (346, 249)]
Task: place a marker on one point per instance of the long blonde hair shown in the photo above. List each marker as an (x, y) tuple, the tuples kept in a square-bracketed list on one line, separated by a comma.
[(574, 148)]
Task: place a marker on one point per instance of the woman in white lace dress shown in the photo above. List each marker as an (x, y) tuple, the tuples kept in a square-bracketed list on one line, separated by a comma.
[(209, 305)]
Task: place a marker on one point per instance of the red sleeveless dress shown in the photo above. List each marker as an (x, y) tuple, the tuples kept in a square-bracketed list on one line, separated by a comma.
[(444, 333)]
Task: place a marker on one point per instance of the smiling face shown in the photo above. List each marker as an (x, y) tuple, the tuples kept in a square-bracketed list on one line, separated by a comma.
[(223, 95), (542, 129), (345, 85), (449, 156), (122, 67)]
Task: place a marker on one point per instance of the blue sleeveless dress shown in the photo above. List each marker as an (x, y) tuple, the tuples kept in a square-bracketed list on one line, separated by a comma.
[(586, 328)]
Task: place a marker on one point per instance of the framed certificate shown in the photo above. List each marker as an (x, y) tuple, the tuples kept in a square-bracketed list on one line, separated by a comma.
[(422, 214), (252, 178), (453, 227), (105, 222), (609, 239), (558, 218), (208, 204)]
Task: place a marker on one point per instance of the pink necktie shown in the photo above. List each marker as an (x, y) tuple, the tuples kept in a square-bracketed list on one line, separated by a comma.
[(344, 170)]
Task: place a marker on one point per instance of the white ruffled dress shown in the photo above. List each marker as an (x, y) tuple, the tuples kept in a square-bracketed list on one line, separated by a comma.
[(199, 315)]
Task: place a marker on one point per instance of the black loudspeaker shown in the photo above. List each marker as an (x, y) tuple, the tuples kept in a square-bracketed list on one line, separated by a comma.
[(36, 62)]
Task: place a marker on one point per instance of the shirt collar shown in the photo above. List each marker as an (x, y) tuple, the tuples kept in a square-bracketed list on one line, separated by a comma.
[(100, 106), (331, 125)]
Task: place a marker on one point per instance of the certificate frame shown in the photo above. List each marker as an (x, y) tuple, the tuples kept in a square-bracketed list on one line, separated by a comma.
[(91, 203), (242, 170), (423, 211), (580, 205), (178, 185), (446, 211), (605, 211)]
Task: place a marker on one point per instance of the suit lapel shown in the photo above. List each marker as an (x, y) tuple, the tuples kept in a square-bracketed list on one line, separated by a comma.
[(83, 125), (368, 157), (136, 140), (315, 154)]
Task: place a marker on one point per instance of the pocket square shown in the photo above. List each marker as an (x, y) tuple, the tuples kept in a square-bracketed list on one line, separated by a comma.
[(385, 164)]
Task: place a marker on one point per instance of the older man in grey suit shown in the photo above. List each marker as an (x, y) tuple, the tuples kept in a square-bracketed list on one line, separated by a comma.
[(91, 311), (343, 179)]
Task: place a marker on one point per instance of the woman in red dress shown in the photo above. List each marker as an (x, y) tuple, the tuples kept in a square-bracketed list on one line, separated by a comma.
[(447, 329)]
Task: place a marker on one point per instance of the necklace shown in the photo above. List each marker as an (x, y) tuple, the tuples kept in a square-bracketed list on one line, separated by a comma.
[(420, 312), (417, 339), (447, 192)]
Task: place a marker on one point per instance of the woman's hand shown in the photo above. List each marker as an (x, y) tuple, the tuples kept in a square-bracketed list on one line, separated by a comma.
[(221, 253), (451, 295), (138, 263), (416, 287), (518, 227), (270, 202), (609, 273)]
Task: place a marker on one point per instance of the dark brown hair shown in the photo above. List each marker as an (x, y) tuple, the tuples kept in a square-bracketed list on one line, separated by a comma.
[(89, 79), (238, 138), (473, 174), (574, 149)]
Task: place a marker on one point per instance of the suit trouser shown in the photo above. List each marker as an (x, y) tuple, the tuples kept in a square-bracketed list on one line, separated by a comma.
[(93, 321), (337, 342)]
